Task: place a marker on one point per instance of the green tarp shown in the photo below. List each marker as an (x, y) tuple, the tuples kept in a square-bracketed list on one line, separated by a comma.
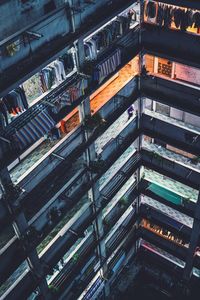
[(166, 194)]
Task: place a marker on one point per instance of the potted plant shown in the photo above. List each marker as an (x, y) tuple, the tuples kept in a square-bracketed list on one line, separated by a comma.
[(105, 222), (195, 160), (97, 166), (92, 122), (88, 68), (75, 257), (157, 156), (53, 289), (123, 202), (186, 200)]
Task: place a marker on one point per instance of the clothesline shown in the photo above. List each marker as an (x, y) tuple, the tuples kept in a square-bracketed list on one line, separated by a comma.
[(99, 29), (42, 117), (35, 129), (107, 66), (35, 109), (16, 102), (53, 74), (165, 14), (44, 121), (124, 13), (106, 36)]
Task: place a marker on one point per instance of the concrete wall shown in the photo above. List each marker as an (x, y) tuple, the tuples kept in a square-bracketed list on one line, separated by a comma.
[(49, 29), (14, 15), (88, 9)]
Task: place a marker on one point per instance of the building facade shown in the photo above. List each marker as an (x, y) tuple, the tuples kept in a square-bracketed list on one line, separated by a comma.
[(99, 147)]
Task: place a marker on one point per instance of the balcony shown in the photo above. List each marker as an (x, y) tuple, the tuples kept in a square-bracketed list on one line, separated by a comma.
[(41, 160), (170, 164), (171, 247), (189, 163), (70, 147), (119, 203), (85, 214), (172, 92), (177, 222), (157, 41), (161, 255), (170, 192), (29, 64), (158, 257), (171, 131)]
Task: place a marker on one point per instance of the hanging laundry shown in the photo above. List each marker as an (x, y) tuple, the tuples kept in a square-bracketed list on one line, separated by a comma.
[(13, 104), (125, 23), (15, 101), (33, 130), (60, 70), (107, 66), (72, 93), (68, 62), (47, 78), (196, 20), (132, 14), (106, 36), (52, 74), (167, 17), (166, 14), (91, 49), (150, 10)]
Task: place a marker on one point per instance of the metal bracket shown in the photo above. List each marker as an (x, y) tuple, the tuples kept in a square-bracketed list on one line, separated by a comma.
[(73, 232), (48, 103), (5, 140), (84, 75), (33, 35), (58, 156)]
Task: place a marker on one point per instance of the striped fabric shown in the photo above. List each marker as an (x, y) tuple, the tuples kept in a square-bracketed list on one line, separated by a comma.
[(34, 130), (72, 93), (108, 66)]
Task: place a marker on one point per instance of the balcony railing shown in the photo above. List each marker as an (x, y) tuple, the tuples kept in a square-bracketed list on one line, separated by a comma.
[(171, 132), (12, 247)]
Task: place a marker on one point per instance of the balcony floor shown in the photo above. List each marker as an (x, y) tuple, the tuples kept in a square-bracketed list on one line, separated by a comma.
[(124, 76), (31, 159), (120, 194), (171, 155), (116, 166), (171, 185), (162, 253), (168, 211), (170, 120), (112, 131)]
